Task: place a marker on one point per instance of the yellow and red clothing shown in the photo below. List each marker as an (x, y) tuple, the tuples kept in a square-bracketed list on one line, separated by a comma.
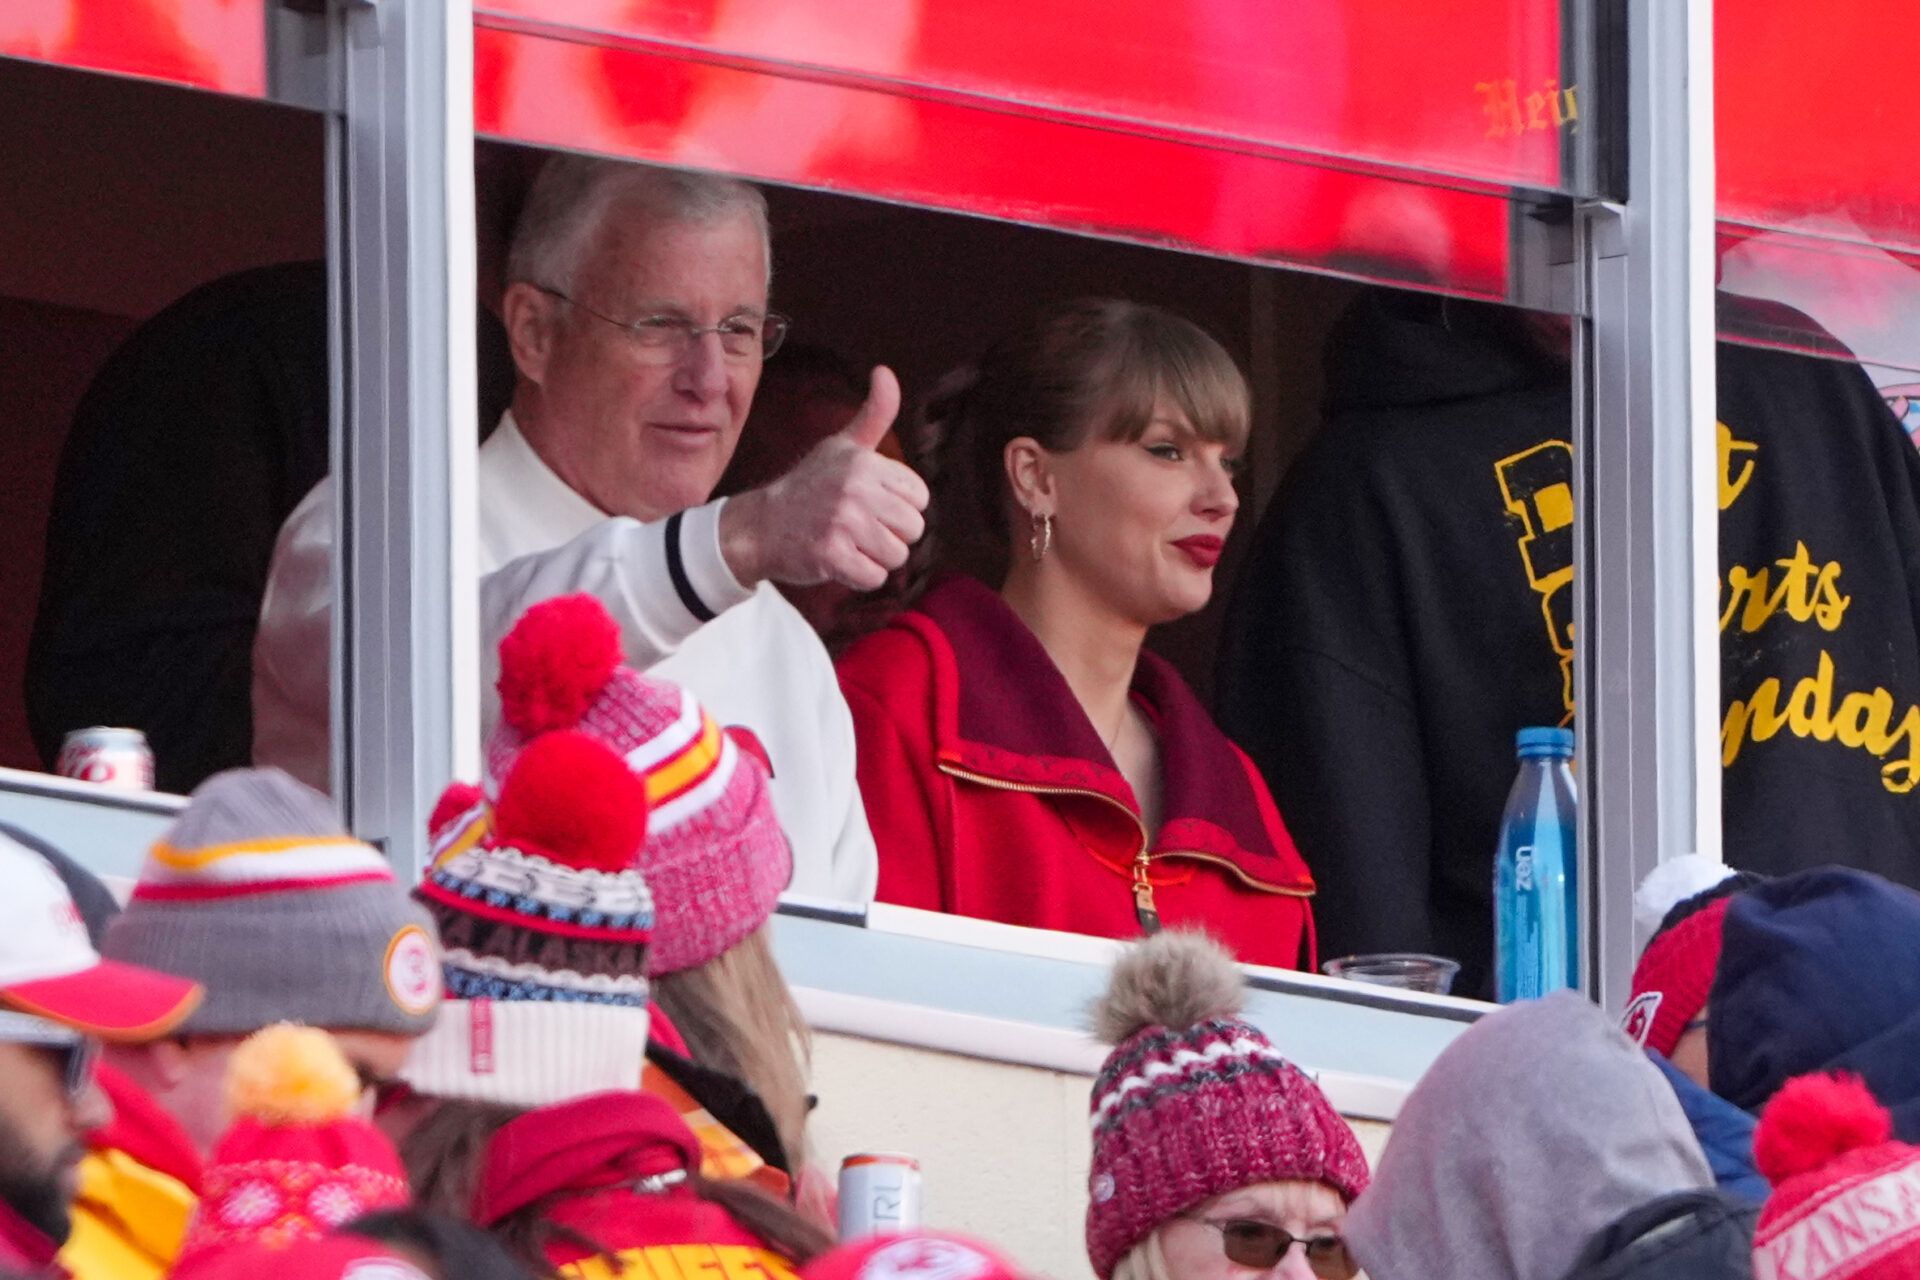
[(139, 1182), (611, 1169)]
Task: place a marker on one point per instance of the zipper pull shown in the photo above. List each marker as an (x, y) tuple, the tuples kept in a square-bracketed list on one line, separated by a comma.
[(1143, 908)]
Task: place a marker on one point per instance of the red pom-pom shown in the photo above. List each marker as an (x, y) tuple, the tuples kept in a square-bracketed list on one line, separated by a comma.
[(555, 662), (572, 798), (457, 799), (1814, 1119)]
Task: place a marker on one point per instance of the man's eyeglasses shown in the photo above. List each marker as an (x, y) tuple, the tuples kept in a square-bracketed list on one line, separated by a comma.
[(666, 339), (1248, 1242), (76, 1054)]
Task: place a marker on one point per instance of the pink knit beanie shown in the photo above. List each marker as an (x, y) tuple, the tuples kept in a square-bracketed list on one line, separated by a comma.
[(1193, 1102), (715, 856)]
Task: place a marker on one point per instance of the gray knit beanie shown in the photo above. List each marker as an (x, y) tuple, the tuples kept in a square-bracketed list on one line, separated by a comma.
[(260, 895)]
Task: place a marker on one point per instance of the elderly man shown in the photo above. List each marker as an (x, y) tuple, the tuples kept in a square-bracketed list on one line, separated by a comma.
[(637, 310), (58, 1000)]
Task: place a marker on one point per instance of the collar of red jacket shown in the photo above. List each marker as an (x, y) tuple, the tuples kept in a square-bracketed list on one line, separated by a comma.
[(145, 1131), (584, 1145), (26, 1249), (1013, 718)]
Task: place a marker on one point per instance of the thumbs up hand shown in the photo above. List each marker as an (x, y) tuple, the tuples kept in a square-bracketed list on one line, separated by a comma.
[(843, 514)]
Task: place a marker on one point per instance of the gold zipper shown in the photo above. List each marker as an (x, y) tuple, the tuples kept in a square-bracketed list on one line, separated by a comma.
[(1143, 903)]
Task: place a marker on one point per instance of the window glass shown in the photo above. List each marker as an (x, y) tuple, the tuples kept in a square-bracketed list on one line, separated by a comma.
[(165, 302)]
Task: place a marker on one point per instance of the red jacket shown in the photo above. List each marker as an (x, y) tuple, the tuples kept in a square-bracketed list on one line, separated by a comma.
[(589, 1163), (990, 794)]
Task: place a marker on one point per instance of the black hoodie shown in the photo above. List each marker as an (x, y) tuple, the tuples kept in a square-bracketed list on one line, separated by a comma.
[(1408, 605)]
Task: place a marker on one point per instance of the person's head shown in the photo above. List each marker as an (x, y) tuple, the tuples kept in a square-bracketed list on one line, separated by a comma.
[(1540, 1125), (547, 922), (297, 1158), (713, 854), (1212, 1155), (518, 1174), (444, 1247), (1098, 447), (1667, 1008), (58, 1001), (1844, 1189), (913, 1255), (612, 268), (1819, 971), (258, 893)]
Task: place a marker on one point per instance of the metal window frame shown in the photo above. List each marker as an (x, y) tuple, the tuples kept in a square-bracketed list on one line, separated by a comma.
[(400, 223), (1648, 674)]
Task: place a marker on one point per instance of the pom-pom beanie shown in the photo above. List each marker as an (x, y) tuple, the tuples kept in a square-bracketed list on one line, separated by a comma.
[(258, 893), (547, 920), (715, 856), (1675, 972), (1846, 1196), (295, 1162), (1193, 1102)]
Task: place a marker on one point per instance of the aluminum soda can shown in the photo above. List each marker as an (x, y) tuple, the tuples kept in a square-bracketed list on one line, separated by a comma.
[(879, 1194), (110, 757)]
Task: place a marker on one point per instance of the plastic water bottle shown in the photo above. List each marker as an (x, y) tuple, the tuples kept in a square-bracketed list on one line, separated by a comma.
[(1536, 914)]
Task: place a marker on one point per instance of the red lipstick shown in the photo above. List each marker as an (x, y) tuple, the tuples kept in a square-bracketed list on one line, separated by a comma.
[(1203, 549)]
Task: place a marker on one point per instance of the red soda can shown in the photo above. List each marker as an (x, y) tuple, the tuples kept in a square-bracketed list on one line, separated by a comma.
[(879, 1194), (110, 757)]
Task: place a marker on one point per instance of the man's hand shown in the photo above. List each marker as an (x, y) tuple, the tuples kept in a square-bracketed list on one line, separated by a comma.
[(843, 514)]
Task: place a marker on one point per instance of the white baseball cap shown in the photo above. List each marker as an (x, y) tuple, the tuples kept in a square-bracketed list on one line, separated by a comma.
[(48, 967)]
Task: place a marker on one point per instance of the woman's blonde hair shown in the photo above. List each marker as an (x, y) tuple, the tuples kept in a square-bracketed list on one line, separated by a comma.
[(737, 1015), (1145, 1261)]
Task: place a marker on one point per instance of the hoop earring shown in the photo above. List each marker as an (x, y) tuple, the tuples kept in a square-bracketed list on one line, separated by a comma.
[(1041, 540)]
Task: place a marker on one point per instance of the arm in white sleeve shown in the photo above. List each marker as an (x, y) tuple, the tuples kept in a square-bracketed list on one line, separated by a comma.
[(293, 651), (856, 859), (661, 581)]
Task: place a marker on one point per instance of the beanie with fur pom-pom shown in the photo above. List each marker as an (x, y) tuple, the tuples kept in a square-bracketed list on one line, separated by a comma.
[(1194, 1102), (1846, 1197), (295, 1162)]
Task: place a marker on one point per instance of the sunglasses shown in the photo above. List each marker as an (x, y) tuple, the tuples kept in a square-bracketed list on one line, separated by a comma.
[(77, 1064), (1261, 1245)]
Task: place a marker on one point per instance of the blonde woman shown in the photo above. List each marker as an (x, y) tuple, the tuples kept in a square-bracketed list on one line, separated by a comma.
[(1213, 1156)]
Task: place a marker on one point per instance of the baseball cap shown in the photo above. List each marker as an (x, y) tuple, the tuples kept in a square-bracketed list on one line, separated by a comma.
[(48, 967)]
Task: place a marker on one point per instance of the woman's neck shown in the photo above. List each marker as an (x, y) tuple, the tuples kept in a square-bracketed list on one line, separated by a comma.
[(1094, 648)]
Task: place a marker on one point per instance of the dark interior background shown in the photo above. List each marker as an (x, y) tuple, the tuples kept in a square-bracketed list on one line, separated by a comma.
[(123, 195)]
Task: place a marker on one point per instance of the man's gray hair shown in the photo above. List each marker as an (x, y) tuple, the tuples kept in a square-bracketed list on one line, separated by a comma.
[(574, 193)]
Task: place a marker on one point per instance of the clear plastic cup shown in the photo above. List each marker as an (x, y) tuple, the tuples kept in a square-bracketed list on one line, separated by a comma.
[(1407, 970)]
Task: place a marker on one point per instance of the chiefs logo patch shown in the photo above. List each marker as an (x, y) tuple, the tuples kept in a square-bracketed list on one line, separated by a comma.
[(1637, 1021)]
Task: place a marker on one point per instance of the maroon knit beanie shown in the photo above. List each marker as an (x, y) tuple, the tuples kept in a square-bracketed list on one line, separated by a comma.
[(1193, 1102)]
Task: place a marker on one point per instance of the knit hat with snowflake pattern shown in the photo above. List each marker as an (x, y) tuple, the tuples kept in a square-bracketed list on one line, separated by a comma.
[(1193, 1102), (545, 921), (715, 856), (295, 1162)]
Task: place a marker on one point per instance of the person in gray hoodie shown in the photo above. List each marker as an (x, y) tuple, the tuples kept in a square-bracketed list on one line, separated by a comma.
[(1543, 1145)]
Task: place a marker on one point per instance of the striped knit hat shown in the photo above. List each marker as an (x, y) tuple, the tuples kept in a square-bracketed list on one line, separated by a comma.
[(259, 894), (1846, 1193), (1193, 1102), (715, 856), (546, 920)]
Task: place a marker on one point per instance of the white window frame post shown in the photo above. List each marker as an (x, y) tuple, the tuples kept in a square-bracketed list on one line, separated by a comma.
[(401, 248), (1646, 616)]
